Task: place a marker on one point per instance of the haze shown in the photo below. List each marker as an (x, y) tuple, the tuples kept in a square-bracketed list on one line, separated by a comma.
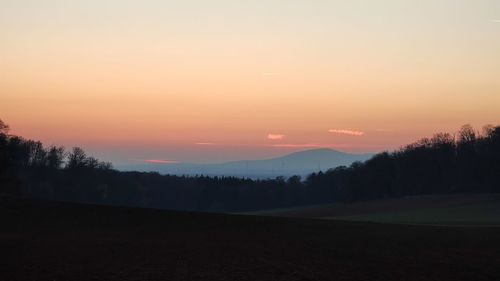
[(212, 81)]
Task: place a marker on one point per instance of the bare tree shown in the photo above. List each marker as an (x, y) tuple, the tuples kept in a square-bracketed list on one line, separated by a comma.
[(4, 128), (55, 157), (76, 159), (466, 134)]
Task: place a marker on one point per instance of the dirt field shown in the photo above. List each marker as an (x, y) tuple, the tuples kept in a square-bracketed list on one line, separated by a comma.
[(56, 241)]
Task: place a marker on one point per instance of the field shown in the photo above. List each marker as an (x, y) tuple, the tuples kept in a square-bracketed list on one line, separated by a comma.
[(453, 210), (62, 241)]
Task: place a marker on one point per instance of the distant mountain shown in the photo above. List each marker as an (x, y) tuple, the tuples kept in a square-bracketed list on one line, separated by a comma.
[(299, 163)]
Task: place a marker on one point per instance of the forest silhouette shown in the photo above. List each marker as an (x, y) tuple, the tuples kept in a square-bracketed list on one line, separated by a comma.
[(467, 162)]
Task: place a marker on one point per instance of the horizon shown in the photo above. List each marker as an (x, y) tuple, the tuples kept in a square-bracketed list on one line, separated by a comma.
[(170, 162), (197, 82)]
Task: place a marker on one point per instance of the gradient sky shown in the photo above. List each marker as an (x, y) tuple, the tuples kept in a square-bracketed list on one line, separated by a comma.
[(210, 81)]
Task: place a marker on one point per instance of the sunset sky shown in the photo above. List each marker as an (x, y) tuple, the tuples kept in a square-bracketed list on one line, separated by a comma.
[(211, 81)]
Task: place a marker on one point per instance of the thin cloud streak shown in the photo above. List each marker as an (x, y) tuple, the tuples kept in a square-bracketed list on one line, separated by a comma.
[(159, 161), (277, 145), (297, 145), (207, 143), (496, 21), (275, 136), (323, 145), (346, 132)]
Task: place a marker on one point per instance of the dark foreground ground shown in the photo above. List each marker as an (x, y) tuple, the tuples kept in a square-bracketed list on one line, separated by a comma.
[(56, 241)]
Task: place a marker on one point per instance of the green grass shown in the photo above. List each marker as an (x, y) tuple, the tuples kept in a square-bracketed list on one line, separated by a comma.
[(485, 213)]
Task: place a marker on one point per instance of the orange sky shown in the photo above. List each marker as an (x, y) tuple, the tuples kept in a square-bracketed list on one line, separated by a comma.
[(198, 81)]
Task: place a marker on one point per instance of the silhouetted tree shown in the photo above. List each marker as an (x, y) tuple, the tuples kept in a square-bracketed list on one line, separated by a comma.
[(4, 128), (441, 164), (55, 157), (77, 159)]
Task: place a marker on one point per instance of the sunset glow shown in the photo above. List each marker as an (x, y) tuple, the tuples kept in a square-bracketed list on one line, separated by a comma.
[(275, 136), (209, 81), (346, 132)]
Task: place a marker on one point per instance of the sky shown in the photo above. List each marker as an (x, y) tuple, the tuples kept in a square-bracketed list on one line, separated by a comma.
[(212, 81)]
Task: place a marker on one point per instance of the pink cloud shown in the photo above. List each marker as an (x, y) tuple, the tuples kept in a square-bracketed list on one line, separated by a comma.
[(159, 161), (206, 143), (275, 136), (346, 132)]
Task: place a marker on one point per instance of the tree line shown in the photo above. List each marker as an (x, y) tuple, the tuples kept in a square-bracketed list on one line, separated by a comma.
[(467, 162), (443, 164)]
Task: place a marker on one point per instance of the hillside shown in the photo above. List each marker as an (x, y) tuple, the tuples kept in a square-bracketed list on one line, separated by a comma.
[(460, 209), (299, 163), (62, 241)]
